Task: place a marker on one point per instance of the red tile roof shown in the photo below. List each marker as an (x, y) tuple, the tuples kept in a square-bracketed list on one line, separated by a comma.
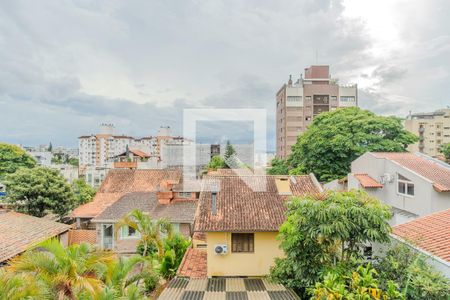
[(193, 264), (437, 173), (430, 233), (367, 182), (119, 182), (79, 236), (18, 232), (241, 208)]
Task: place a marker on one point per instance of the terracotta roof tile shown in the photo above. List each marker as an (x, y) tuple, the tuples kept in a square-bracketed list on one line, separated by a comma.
[(119, 182), (178, 211), (430, 233), (18, 232), (193, 264), (437, 173), (244, 208), (367, 182), (79, 236)]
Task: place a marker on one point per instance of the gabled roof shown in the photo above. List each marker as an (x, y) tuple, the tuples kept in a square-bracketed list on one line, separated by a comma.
[(136, 152), (18, 232), (367, 182), (249, 203), (430, 233), (436, 172), (177, 211), (119, 182)]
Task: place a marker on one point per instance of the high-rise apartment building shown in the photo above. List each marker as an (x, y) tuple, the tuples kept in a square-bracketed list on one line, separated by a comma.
[(433, 130), (298, 103)]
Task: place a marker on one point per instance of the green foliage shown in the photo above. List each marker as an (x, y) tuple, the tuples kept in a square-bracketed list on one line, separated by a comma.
[(61, 158), (361, 283), (65, 272), (278, 167), (175, 247), (320, 232), (336, 138), (151, 282), (412, 274), (39, 190), (12, 158), (51, 271), (445, 150), (229, 151), (215, 163), (50, 147), (83, 192)]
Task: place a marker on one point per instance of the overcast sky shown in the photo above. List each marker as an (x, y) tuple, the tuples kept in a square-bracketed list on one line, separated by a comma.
[(67, 66)]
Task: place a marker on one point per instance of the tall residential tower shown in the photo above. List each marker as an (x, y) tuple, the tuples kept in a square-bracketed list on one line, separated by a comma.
[(298, 103)]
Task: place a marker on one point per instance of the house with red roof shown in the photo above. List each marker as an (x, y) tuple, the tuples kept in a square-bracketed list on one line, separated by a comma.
[(430, 236), (413, 184), (237, 223), (19, 232), (160, 193)]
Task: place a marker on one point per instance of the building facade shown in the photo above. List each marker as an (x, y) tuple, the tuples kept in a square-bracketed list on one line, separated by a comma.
[(298, 103), (99, 149), (414, 185), (433, 130)]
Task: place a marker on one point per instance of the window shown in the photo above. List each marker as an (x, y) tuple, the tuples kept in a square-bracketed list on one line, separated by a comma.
[(184, 194), (128, 233), (405, 186), (242, 242), (294, 98), (347, 99)]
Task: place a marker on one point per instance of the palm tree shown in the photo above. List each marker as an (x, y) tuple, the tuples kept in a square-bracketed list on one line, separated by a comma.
[(151, 232), (64, 271), (21, 286), (121, 275)]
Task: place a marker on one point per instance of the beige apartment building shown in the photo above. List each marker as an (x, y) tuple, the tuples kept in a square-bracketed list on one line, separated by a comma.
[(433, 130), (298, 103)]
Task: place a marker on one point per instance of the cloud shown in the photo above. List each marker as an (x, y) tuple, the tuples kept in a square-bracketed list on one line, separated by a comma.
[(66, 67)]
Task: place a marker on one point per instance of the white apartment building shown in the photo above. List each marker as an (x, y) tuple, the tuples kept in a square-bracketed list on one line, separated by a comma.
[(99, 149), (433, 130)]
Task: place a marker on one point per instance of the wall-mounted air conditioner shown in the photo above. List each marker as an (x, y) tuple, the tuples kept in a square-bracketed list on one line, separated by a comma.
[(221, 249)]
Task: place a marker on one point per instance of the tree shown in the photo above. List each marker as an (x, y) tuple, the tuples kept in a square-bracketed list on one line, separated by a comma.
[(215, 163), (409, 270), (151, 232), (445, 149), (229, 151), (361, 283), (336, 138), (83, 191), (50, 147), (278, 167), (12, 158), (66, 272), (21, 286), (39, 190), (324, 230)]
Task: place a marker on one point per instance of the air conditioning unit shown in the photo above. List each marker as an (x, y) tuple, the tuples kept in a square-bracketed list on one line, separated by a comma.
[(221, 249), (387, 178)]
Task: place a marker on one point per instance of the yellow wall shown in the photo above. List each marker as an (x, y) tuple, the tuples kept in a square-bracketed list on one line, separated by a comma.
[(257, 263)]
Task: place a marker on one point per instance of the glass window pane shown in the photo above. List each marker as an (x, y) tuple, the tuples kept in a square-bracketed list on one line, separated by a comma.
[(410, 189)]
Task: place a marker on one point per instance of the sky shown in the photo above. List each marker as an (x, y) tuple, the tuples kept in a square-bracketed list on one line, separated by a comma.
[(67, 66)]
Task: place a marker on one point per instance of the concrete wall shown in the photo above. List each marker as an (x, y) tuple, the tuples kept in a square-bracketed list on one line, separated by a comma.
[(425, 200), (258, 263)]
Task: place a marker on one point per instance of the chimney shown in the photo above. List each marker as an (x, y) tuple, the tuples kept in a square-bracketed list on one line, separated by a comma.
[(214, 203), (165, 193)]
